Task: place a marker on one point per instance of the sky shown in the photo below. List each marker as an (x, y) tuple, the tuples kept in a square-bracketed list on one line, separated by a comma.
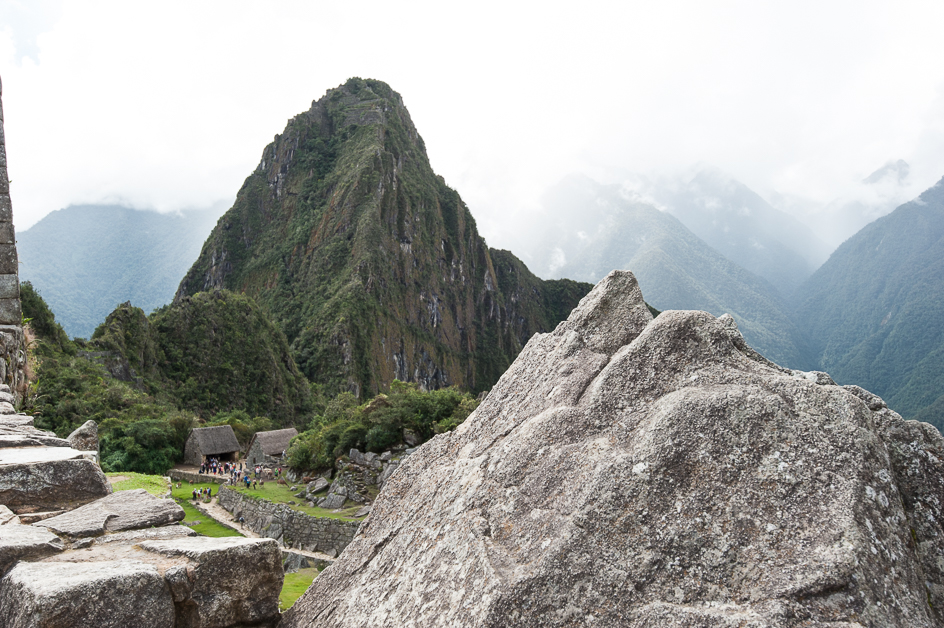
[(169, 105)]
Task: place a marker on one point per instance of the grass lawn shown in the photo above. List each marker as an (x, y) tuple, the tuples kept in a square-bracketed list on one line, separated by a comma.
[(208, 526), (280, 494), (295, 584), (126, 481)]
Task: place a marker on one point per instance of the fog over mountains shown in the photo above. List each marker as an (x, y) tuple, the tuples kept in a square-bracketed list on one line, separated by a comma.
[(86, 259)]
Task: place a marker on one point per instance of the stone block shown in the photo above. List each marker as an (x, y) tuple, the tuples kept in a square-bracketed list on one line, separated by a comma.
[(18, 542), (9, 287), (10, 312), (108, 594), (124, 510), (42, 480), (218, 587), (7, 232), (85, 437), (6, 207)]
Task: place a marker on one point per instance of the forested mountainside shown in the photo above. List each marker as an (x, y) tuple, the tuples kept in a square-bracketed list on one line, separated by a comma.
[(594, 229), (86, 259), (214, 352), (370, 264), (874, 311)]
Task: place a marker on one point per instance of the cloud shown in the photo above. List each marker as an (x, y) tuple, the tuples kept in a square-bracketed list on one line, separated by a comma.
[(170, 105)]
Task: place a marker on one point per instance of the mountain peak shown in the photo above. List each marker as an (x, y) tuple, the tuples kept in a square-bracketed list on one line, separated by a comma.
[(372, 265)]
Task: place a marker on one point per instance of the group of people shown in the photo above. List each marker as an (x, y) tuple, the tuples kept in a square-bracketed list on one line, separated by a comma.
[(202, 493), (215, 467)]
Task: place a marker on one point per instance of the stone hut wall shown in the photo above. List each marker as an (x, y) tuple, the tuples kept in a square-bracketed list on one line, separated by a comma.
[(12, 344), (192, 453), (289, 527)]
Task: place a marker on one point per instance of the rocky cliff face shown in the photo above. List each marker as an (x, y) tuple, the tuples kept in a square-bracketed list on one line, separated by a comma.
[(12, 344), (629, 471), (372, 266)]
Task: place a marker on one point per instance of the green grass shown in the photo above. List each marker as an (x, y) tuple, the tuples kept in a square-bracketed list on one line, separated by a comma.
[(294, 585), (208, 526), (153, 484), (281, 494)]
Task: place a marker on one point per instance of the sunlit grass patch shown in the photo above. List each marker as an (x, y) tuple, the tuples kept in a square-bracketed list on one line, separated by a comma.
[(295, 585), (126, 481)]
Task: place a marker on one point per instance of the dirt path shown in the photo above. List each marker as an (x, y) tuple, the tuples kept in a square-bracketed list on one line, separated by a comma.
[(217, 512)]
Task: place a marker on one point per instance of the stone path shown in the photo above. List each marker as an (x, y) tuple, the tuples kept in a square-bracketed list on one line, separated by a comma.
[(223, 516)]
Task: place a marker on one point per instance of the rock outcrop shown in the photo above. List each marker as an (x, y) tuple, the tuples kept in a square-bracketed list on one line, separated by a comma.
[(49, 478), (110, 594), (635, 472), (125, 510), (85, 437)]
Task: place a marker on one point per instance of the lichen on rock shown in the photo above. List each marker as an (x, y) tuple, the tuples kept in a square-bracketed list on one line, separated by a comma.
[(629, 471)]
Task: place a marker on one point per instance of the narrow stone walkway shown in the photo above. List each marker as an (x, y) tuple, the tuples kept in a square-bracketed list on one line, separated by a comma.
[(223, 516)]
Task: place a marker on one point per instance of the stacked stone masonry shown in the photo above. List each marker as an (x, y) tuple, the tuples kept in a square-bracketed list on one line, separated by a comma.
[(12, 345), (289, 527)]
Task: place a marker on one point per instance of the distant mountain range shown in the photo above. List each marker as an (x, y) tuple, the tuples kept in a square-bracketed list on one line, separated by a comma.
[(591, 229), (739, 224), (374, 269), (86, 259), (875, 311)]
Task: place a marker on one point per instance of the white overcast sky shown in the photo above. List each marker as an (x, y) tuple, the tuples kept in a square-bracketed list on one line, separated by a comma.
[(168, 105)]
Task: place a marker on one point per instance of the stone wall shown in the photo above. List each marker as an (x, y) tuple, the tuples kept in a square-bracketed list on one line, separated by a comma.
[(12, 345), (289, 527), (196, 478)]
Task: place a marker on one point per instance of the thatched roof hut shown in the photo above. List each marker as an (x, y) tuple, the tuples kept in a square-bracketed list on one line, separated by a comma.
[(204, 442), (267, 447)]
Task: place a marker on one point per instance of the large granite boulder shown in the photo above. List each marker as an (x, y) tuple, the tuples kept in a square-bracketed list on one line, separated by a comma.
[(18, 542), (49, 478), (635, 472), (108, 594), (230, 581), (85, 437), (124, 510)]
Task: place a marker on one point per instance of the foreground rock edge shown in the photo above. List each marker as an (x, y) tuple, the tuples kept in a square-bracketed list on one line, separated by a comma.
[(659, 473)]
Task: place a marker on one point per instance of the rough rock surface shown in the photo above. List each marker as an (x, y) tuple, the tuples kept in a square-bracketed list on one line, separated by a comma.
[(124, 510), (24, 542), (51, 483), (214, 589), (635, 472), (7, 516), (110, 594), (85, 437)]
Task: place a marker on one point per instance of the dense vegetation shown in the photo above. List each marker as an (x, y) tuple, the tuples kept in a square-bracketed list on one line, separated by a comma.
[(137, 431), (378, 424), (874, 310), (108, 254), (144, 422), (371, 265)]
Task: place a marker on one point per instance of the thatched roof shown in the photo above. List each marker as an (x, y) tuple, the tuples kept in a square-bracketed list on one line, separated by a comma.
[(215, 440), (275, 442)]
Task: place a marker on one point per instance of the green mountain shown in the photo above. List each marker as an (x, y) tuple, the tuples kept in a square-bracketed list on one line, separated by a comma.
[(214, 352), (86, 259), (592, 229), (874, 311), (370, 264)]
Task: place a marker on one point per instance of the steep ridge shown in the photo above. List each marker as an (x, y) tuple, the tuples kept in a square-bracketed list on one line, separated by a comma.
[(874, 310), (594, 229), (109, 254), (371, 265), (637, 472)]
